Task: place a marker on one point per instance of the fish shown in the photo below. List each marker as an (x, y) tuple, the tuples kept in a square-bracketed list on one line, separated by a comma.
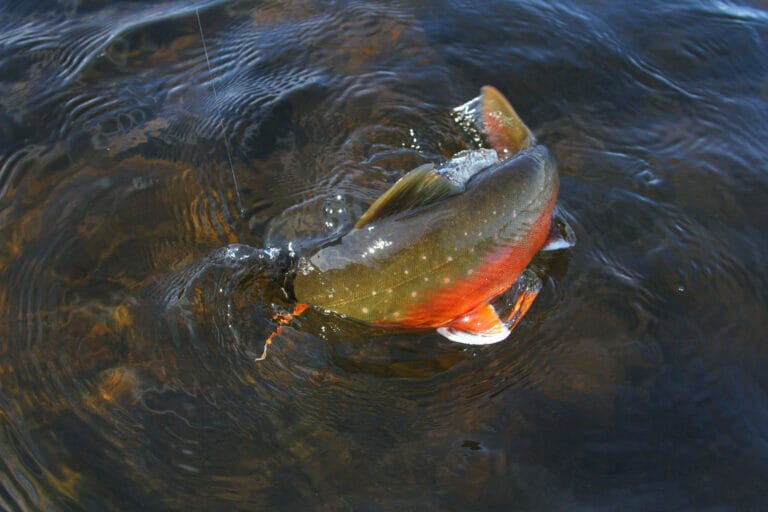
[(444, 242)]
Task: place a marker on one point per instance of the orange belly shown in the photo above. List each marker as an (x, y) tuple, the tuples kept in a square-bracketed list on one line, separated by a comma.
[(499, 271)]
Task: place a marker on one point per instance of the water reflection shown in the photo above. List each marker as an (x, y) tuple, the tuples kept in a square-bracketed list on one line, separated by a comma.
[(136, 289)]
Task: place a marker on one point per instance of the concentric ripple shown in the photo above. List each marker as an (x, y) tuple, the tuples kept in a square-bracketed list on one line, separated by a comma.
[(161, 164)]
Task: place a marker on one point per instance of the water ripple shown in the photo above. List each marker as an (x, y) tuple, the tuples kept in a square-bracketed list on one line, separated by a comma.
[(149, 197)]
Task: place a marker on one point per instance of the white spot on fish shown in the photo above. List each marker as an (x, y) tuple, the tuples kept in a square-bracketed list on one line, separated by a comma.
[(446, 280), (414, 294)]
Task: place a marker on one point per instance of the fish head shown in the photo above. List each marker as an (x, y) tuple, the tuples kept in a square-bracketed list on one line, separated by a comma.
[(528, 181)]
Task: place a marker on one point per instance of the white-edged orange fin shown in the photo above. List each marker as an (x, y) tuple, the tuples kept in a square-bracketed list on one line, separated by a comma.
[(559, 237), (282, 319), (481, 326), (523, 302)]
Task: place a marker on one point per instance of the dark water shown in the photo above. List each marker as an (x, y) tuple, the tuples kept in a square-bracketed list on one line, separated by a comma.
[(139, 189)]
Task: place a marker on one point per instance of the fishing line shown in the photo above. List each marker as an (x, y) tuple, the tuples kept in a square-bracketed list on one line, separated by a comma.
[(240, 208)]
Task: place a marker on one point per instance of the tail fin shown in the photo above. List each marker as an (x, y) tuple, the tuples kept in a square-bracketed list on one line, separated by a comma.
[(506, 132)]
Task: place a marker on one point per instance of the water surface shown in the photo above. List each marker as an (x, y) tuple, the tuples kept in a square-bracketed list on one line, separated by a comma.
[(146, 168)]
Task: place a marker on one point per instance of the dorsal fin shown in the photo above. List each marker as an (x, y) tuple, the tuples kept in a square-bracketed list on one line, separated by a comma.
[(421, 186), (506, 132)]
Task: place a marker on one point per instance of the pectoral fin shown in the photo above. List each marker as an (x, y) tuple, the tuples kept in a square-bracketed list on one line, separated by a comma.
[(481, 326), (421, 186), (560, 237), (506, 132)]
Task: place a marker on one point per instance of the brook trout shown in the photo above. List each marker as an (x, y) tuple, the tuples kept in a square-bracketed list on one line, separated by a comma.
[(437, 248)]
